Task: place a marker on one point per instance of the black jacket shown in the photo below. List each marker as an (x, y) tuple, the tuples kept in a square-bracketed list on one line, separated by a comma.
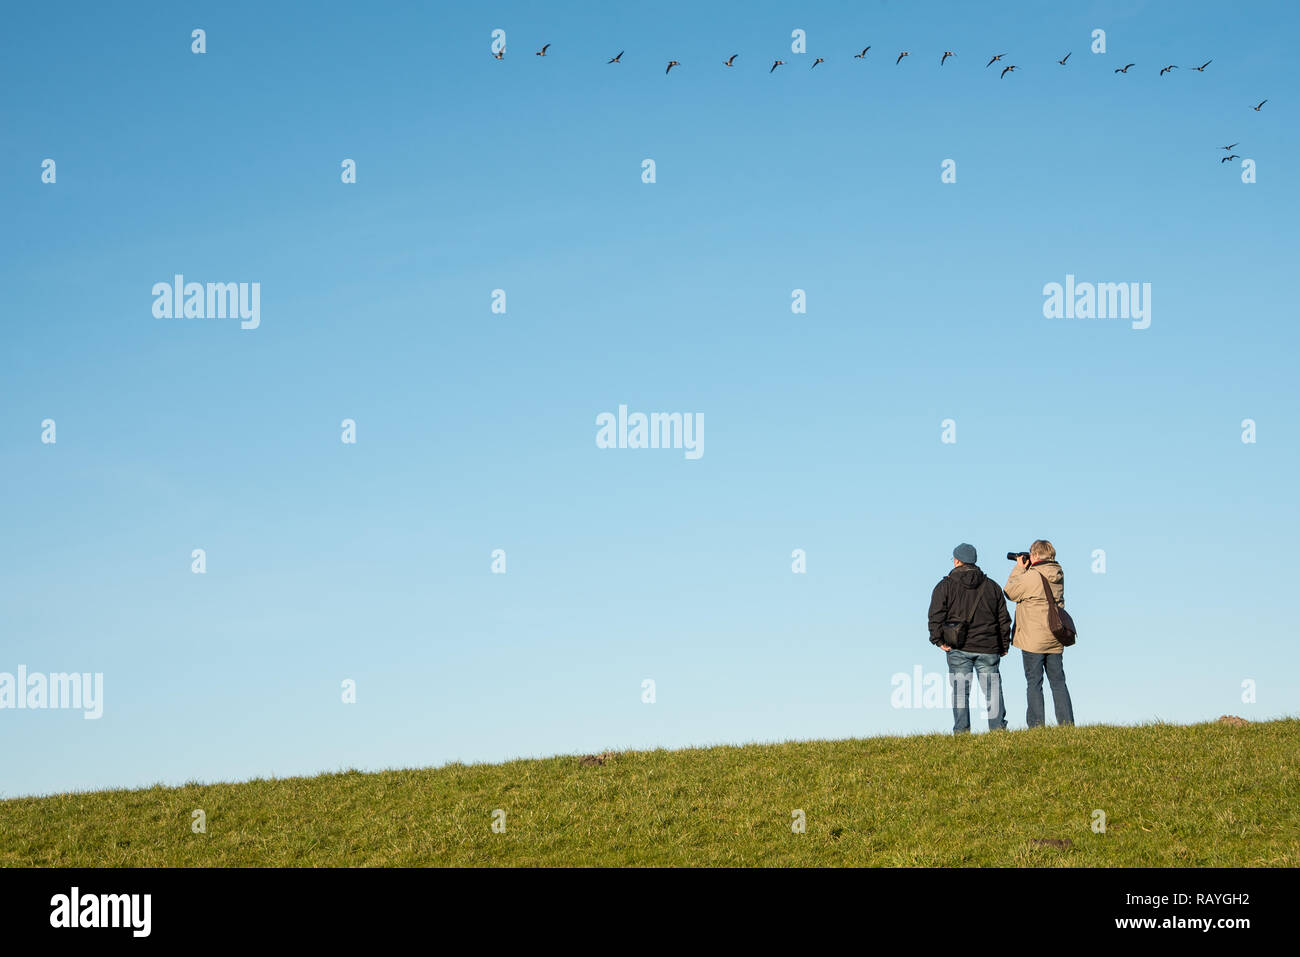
[(966, 589)]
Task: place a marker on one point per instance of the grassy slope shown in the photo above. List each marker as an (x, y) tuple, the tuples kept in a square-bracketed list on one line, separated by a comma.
[(1199, 795)]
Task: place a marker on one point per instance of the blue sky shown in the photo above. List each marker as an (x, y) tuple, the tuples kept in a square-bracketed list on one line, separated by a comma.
[(476, 431)]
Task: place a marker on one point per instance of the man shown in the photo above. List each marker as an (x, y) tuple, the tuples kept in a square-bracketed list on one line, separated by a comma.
[(967, 607), (1039, 649)]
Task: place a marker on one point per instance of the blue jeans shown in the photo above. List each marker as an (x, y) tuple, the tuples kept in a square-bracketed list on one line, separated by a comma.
[(1035, 665), (960, 666)]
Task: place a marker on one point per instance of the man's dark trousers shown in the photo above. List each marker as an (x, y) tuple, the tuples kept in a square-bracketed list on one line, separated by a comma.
[(962, 667)]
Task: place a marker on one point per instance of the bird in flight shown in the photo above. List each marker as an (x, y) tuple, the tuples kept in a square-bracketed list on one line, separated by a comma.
[(671, 64), (1006, 70), (1167, 69), (900, 57), (542, 51), (1261, 103), (946, 54), (820, 59), (994, 60), (1125, 69), (731, 60), (862, 55), (618, 58), (1064, 58), (777, 64), (1232, 157), (1229, 148), (1201, 68), (500, 54)]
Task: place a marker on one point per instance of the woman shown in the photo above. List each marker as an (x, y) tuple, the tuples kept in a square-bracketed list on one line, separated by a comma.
[(1032, 633)]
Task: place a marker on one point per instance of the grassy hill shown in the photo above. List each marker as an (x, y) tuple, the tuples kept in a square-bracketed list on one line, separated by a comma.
[(1200, 795)]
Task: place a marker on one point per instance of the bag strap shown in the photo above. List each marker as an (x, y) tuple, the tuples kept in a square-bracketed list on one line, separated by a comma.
[(975, 606), (1053, 615)]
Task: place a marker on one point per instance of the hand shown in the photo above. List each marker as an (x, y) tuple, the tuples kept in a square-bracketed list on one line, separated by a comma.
[(945, 647), (1005, 653), (1022, 562)]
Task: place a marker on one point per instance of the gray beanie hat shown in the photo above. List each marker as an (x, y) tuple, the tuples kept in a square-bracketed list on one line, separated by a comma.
[(965, 554)]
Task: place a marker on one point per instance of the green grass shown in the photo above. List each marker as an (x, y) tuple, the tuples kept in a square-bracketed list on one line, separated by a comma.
[(1200, 795)]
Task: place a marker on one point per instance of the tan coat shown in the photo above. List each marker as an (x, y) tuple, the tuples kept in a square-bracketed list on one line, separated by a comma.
[(1025, 588)]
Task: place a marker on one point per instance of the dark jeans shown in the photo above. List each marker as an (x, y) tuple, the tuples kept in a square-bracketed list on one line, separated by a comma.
[(961, 664), (1035, 665)]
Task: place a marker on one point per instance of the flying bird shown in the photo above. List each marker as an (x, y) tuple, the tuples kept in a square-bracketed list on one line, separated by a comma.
[(1006, 70), (900, 57), (1229, 148), (994, 60), (1125, 69), (946, 54), (671, 64), (1167, 69), (820, 59), (542, 51), (1261, 103), (500, 54), (619, 57), (1064, 58), (730, 61), (1201, 68), (777, 64), (1232, 157), (862, 55)]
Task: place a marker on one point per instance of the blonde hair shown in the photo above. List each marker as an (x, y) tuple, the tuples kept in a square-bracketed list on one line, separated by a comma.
[(1042, 551)]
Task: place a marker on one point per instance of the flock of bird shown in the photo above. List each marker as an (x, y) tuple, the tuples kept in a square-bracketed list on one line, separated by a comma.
[(996, 58), (731, 61)]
